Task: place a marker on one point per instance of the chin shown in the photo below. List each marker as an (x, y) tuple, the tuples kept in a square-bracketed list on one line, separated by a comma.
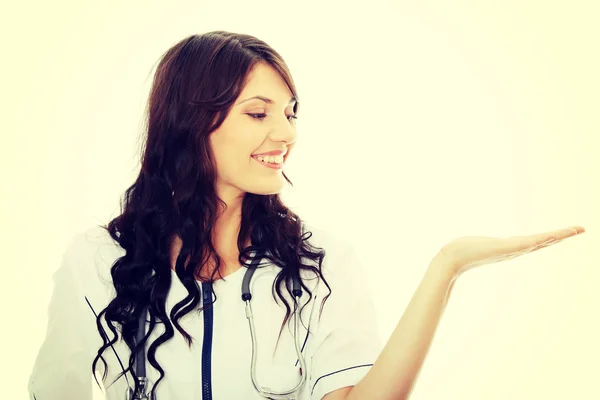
[(265, 191)]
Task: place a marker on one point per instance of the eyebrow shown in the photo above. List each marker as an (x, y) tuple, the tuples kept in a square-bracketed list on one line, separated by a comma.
[(267, 100)]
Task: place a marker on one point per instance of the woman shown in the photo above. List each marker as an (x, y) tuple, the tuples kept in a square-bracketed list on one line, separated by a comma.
[(156, 293)]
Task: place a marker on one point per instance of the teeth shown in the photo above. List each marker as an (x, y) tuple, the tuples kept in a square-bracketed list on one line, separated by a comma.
[(271, 159)]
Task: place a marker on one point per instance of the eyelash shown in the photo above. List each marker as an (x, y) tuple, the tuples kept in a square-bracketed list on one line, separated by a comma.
[(260, 117)]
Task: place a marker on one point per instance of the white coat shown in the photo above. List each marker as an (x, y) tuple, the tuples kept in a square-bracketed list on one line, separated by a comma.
[(339, 348)]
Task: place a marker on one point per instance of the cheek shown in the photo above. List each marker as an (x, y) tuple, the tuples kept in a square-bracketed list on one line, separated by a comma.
[(236, 157)]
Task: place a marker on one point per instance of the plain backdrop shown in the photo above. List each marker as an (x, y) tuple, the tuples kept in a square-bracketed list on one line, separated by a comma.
[(421, 122)]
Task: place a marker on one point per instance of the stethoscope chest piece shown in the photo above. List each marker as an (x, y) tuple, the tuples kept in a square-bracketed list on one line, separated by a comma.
[(144, 392)]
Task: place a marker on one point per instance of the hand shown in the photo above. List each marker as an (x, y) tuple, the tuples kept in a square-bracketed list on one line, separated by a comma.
[(472, 251)]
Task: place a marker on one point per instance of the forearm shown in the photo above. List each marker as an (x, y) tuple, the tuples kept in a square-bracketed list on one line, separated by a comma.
[(394, 372)]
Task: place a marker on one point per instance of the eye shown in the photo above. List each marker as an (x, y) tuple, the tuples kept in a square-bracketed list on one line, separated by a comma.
[(260, 117)]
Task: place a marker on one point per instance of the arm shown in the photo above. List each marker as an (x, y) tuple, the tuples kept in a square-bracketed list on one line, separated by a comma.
[(62, 368), (393, 374)]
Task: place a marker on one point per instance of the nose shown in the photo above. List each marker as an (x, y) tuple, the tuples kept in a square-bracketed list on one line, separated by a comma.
[(284, 131)]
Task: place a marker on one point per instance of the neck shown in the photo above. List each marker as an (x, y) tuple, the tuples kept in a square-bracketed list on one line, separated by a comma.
[(224, 237)]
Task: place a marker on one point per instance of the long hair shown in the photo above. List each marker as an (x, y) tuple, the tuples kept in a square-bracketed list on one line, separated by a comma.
[(195, 86)]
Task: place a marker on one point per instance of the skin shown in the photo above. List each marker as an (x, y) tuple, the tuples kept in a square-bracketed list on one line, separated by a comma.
[(251, 127), (241, 135), (393, 374)]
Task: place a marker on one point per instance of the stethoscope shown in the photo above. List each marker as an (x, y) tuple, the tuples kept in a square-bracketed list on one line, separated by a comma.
[(140, 357)]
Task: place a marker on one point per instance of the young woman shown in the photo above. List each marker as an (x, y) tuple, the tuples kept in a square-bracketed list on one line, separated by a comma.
[(207, 285)]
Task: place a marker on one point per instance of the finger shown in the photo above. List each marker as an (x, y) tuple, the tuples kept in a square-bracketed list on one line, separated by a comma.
[(524, 242), (519, 253), (527, 244), (519, 244), (542, 245), (579, 229), (564, 233)]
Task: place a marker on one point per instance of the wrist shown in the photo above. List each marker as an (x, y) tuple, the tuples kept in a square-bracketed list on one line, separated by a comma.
[(443, 266)]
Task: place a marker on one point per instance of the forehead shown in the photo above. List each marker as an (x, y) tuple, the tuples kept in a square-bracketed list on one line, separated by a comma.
[(264, 80)]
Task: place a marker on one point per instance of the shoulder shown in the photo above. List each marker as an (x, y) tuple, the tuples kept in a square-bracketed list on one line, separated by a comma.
[(325, 238), (340, 255), (94, 245), (89, 256)]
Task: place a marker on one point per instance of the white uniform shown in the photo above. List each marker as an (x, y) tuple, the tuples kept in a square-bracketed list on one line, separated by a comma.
[(339, 350)]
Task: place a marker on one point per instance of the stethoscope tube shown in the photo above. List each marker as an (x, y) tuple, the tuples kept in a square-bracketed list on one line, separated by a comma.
[(143, 393), (247, 297)]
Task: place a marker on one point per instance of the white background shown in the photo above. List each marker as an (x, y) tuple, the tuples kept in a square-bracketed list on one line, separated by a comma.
[(420, 123)]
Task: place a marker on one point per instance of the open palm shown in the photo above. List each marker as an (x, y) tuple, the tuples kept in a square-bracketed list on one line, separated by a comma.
[(472, 251)]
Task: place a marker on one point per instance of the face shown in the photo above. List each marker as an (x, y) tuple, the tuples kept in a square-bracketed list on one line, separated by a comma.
[(254, 126)]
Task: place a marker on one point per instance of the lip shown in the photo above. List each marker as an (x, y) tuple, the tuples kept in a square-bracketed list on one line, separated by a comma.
[(271, 153)]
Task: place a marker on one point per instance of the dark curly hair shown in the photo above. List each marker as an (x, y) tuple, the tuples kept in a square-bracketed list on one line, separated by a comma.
[(195, 86)]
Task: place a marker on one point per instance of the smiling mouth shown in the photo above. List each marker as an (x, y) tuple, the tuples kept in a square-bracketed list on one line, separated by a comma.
[(273, 165), (270, 159)]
